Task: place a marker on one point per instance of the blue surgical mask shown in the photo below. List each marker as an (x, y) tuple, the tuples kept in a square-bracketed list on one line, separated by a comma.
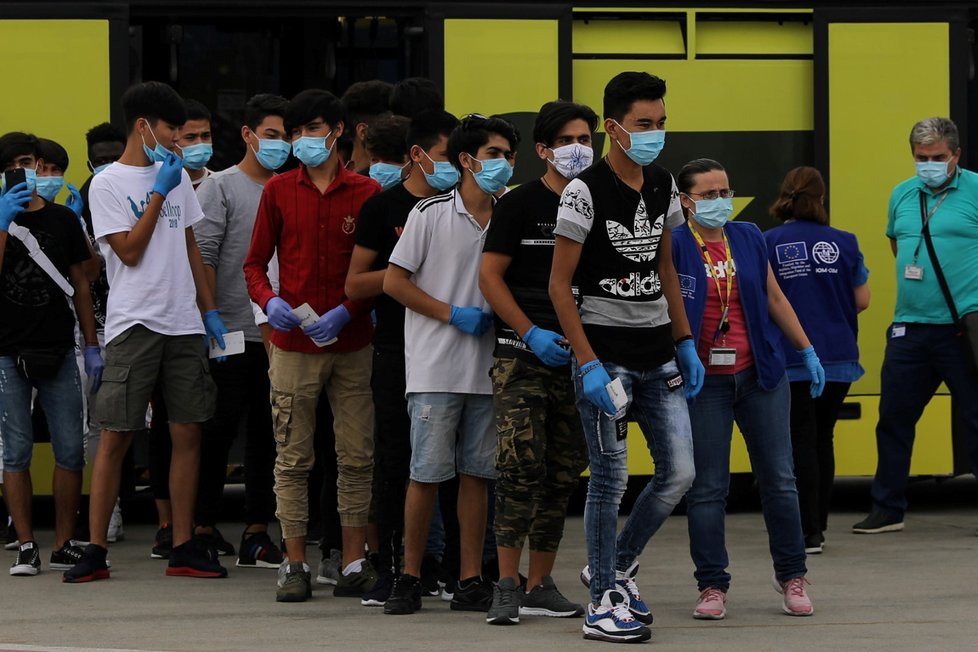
[(96, 170), (196, 156), (387, 175), (646, 145), (713, 213), (494, 175), (272, 152), (49, 187), (311, 150), (932, 173), (443, 177), (159, 153)]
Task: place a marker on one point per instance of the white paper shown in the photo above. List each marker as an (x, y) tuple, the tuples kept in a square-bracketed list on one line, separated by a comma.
[(307, 317), (617, 394), (234, 343)]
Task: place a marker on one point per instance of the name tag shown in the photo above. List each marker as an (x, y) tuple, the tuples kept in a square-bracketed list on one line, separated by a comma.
[(723, 357), (898, 330), (913, 272)]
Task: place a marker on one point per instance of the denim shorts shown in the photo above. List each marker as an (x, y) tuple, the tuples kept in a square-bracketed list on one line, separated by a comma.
[(60, 398), (451, 433)]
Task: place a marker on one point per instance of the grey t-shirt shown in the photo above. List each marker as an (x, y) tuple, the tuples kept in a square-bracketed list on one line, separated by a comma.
[(230, 202)]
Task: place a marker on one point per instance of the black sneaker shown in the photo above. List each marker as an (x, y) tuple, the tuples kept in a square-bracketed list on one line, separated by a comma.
[(377, 596), (191, 559), (505, 609), (164, 543), (216, 541), (28, 560), (258, 551), (813, 544), (878, 522), (473, 594), (405, 597), (92, 566), (65, 558)]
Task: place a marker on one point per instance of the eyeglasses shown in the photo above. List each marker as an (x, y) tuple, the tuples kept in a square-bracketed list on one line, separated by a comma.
[(714, 194), (473, 119)]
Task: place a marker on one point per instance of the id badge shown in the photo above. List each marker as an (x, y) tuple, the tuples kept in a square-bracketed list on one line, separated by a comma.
[(723, 357), (913, 272)]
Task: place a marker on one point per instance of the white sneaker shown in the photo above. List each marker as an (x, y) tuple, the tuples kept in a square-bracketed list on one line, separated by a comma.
[(115, 532), (612, 621)]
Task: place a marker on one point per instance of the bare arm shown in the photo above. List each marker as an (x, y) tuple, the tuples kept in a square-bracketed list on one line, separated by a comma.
[(211, 275), (398, 284), (93, 266), (82, 299), (670, 288), (130, 246), (862, 297), (567, 254), (498, 294), (3, 246), (361, 282), (783, 314), (205, 296)]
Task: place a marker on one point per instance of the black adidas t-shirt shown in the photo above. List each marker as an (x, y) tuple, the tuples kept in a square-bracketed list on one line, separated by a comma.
[(522, 227), (379, 227), (34, 311)]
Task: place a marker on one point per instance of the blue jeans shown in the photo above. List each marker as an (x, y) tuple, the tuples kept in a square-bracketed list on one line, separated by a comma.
[(913, 367), (763, 418), (662, 415), (60, 398)]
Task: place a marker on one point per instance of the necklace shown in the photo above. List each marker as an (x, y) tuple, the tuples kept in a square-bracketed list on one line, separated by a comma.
[(549, 187)]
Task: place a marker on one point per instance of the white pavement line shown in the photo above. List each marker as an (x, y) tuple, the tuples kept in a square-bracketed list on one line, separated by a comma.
[(4, 647)]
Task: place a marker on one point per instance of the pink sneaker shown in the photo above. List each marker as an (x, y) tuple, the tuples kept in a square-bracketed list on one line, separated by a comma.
[(796, 600), (710, 606)]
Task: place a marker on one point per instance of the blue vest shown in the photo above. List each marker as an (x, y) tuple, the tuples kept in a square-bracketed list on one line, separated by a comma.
[(750, 260), (817, 268)]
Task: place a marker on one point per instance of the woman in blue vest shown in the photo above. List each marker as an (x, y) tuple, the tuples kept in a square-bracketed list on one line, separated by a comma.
[(737, 314), (821, 271)]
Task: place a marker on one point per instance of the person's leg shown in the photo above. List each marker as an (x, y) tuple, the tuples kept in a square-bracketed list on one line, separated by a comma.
[(956, 368), (160, 452), (472, 506), (259, 455), (804, 447), (475, 453), (419, 503), (827, 408), (184, 467), (764, 420), (18, 446), (104, 487), (324, 476), (908, 381)]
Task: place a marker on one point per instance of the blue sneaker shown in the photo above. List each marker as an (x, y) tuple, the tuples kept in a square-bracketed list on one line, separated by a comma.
[(626, 583), (612, 621)]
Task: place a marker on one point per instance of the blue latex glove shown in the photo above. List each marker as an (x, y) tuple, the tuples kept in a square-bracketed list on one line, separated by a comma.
[(545, 345), (214, 326), (692, 369), (595, 380), (94, 365), (169, 176), (470, 320), (814, 366), (280, 316), (75, 201), (12, 203), (329, 325)]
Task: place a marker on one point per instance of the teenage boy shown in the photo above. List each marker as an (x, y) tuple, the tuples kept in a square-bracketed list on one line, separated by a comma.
[(195, 144), (229, 200), (381, 223), (540, 448), (309, 215), (415, 95), (143, 208), (613, 232), (434, 273), (388, 152), (364, 103), (37, 350)]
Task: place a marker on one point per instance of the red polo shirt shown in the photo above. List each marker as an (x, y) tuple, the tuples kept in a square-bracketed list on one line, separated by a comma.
[(314, 234)]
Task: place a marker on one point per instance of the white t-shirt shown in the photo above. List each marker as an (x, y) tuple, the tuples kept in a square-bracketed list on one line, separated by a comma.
[(159, 291), (442, 246)]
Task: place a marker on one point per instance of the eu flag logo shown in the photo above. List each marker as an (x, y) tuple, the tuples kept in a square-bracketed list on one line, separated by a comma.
[(792, 251)]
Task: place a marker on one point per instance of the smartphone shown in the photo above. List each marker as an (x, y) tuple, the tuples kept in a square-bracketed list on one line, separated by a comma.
[(13, 177)]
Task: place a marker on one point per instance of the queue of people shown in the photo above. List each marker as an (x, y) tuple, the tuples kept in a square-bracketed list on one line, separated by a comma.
[(464, 350)]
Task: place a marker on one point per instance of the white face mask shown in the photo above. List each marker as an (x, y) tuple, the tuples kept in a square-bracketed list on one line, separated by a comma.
[(571, 160)]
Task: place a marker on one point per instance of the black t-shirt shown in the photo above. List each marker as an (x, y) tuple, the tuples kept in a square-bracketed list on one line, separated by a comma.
[(379, 226), (34, 311), (100, 288), (522, 227)]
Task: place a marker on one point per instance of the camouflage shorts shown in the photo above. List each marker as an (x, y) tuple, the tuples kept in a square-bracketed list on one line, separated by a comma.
[(540, 452)]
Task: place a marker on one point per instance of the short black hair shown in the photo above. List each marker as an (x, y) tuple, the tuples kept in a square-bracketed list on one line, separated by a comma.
[(473, 132), (197, 111), (314, 103), (554, 115), (153, 101), (626, 88), (105, 133), (428, 127), (366, 100), (263, 105), (387, 138), (687, 175), (415, 95), (16, 144), (52, 152)]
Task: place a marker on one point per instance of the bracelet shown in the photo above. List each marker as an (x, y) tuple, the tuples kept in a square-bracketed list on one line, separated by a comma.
[(588, 368), (683, 339)]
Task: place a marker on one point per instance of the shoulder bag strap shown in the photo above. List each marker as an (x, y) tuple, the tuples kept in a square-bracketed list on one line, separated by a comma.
[(925, 232)]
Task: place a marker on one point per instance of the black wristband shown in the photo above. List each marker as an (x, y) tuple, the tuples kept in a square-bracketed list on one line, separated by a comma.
[(683, 339)]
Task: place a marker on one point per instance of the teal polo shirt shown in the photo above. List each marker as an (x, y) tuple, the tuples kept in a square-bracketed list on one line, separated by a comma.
[(954, 229)]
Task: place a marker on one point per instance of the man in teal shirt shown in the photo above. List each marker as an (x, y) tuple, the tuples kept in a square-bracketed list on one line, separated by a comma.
[(924, 346)]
